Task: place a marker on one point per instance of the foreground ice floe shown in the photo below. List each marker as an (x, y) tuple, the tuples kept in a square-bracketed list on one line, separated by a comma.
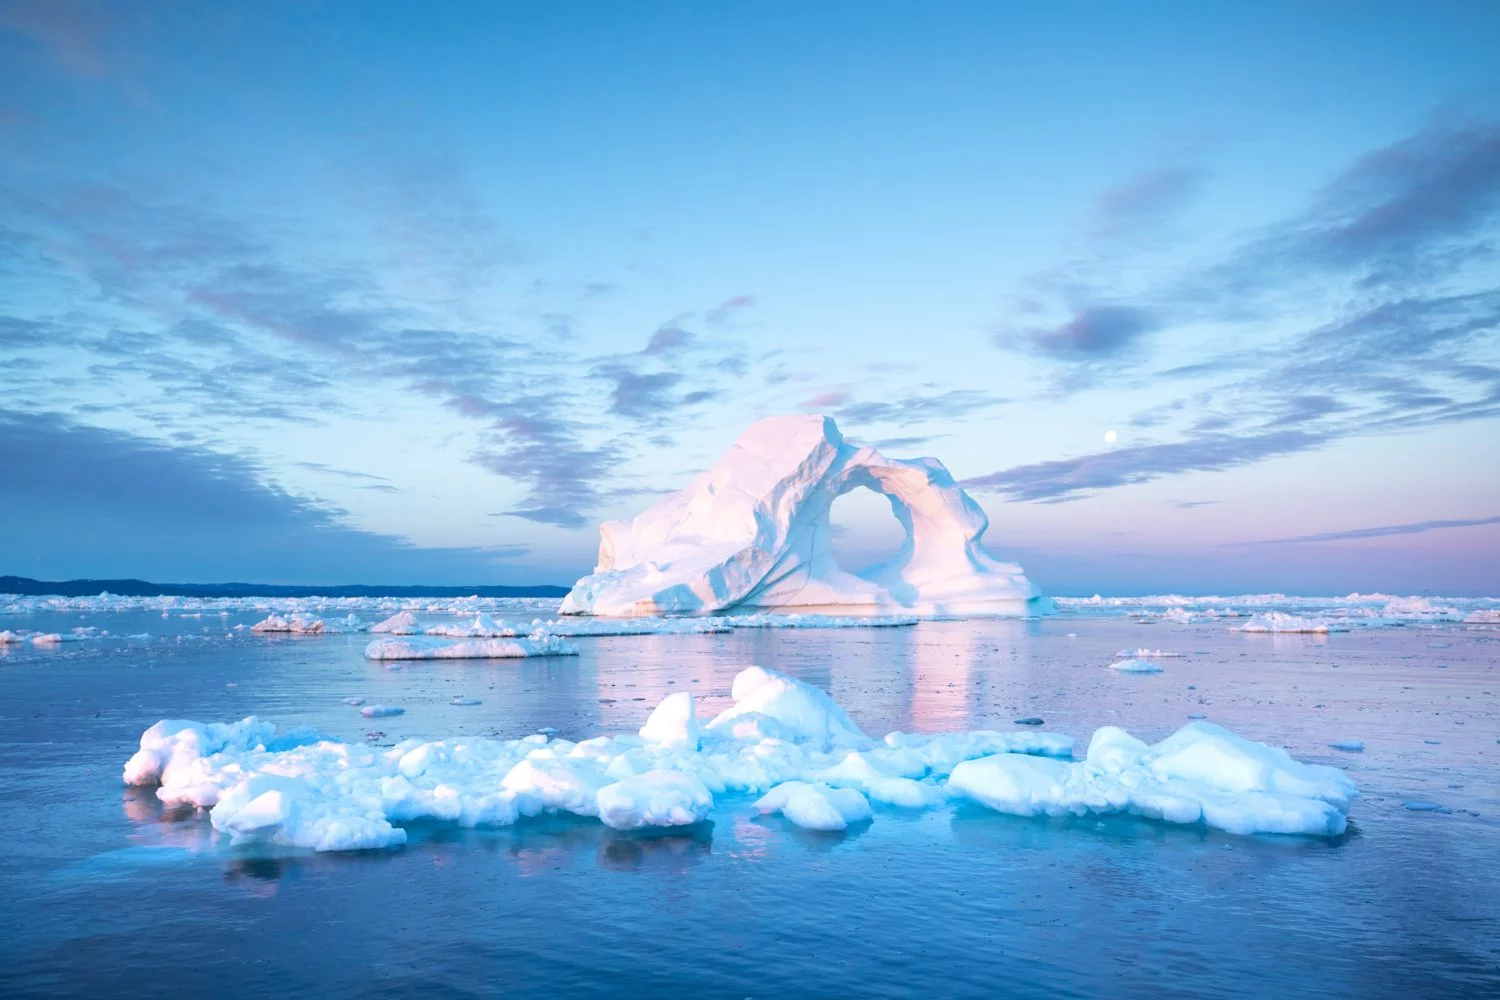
[(782, 740), (1201, 773), (436, 648)]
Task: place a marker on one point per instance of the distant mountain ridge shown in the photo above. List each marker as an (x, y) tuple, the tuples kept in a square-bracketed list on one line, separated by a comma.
[(141, 588)]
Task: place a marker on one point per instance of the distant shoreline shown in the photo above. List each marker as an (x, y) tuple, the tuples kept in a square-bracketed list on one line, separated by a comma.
[(28, 587)]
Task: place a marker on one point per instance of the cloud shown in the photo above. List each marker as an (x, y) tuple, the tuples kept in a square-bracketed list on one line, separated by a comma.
[(69, 31), (1192, 504), (668, 339), (637, 395), (916, 408), (99, 502), (1373, 310), (1146, 200), (726, 310), (1069, 478), (1093, 332), (824, 401), (1416, 528)]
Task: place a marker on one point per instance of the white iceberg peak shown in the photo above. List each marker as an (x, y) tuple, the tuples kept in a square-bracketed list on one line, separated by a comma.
[(753, 532)]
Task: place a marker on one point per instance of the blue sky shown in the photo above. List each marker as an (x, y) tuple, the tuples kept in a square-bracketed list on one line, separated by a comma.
[(369, 292)]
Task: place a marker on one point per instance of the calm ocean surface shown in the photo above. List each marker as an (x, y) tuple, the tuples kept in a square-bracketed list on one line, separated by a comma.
[(102, 894)]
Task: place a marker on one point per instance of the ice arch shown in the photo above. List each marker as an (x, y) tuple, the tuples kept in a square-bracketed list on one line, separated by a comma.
[(753, 532)]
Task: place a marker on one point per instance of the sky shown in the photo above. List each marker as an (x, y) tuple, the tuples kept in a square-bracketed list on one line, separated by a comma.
[(1190, 297)]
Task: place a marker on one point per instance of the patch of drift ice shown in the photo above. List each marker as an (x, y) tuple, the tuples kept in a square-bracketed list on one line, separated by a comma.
[(762, 620), (1350, 611), (816, 806), (590, 627), (1136, 666), (295, 625), (435, 648), (782, 740), (482, 627), (753, 533), (1277, 621), (400, 623), (1200, 774)]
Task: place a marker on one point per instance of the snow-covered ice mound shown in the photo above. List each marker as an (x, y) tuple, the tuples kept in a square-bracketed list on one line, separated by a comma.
[(1200, 774), (1278, 621), (1136, 666), (436, 648), (782, 740), (482, 627), (295, 625), (400, 623), (753, 532)]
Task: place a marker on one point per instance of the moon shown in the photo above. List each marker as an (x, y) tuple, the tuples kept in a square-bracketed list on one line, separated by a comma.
[(1110, 437)]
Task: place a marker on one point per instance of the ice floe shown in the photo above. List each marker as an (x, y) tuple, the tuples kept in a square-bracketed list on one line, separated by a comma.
[(1136, 666), (295, 625), (1277, 621), (815, 806), (436, 648), (482, 627), (784, 741), (1350, 611), (400, 623), (1200, 774), (764, 620)]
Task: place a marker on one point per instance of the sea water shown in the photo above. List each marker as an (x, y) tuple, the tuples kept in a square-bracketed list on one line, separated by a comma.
[(106, 893)]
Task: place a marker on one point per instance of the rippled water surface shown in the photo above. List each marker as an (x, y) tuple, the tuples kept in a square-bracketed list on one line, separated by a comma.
[(105, 895)]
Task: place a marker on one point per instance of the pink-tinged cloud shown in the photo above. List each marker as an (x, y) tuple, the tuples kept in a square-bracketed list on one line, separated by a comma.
[(67, 29)]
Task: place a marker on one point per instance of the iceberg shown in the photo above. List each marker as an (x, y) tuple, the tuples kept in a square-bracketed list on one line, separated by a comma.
[(753, 533), (784, 741)]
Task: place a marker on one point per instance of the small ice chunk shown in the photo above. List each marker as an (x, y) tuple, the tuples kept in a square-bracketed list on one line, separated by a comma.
[(656, 798), (815, 805), (463, 702), (1349, 746), (674, 722), (380, 711), (1136, 666), (354, 701), (1030, 720), (1426, 807), (401, 623), (796, 711)]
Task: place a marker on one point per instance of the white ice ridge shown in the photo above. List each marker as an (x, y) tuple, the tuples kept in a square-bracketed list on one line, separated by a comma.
[(753, 532), (782, 739), (422, 647), (1277, 621)]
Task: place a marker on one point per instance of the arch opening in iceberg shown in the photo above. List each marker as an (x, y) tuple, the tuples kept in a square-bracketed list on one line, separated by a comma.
[(753, 533), (863, 530)]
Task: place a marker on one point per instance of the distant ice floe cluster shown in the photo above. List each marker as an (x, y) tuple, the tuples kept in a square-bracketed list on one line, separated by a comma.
[(1282, 613), (484, 637), (784, 741)]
